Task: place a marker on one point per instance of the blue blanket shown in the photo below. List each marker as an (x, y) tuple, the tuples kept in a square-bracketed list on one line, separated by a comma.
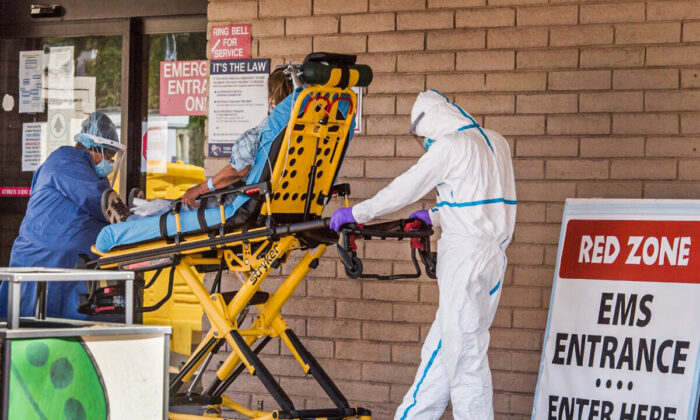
[(148, 228)]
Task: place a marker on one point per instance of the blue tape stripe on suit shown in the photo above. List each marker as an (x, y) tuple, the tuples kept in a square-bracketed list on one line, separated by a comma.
[(474, 123), (495, 288), (474, 203), (425, 372)]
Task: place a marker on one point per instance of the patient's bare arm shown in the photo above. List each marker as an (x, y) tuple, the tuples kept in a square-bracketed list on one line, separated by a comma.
[(225, 177)]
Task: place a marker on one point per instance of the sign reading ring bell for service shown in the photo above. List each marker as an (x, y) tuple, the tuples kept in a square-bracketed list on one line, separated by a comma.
[(622, 338), (229, 42)]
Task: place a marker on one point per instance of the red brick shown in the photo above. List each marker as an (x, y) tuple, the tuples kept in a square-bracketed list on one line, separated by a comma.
[(530, 318), (312, 25), (690, 78), (528, 169), (547, 103), (388, 372), (691, 31), (356, 350), (377, 105), (548, 15), (612, 146), (580, 80), (689, 169), (577, 169), (517, 125), (346, 44), (614, 12), (397, 83), (426, 62), (578, 124), (673, 55), (456, 82), (372, 22), (673, 10), (387, 331), (389, 5), (333, 328), (308, 307), (456, 39), (516, 81), (645, 123), (514, 2), (645, 79), (517, 296), (606, 190), (545, 191), (485, 60), (684, 100), (424, 314), (267, 27), (647, 33), (673, 147), (539, 59), (284, 8), (390, 291), (547, 146), (530, 212), (285, 46), (343, 289), (514, 382), (411, 41), (477, 104), (581, 35), (643, 169), (534, 276), (613, 57), (611, 102), (690, 123), (438, 4), (424, 20), (243, 10), (484, 18), (406, 353), (335, 7), (673, 189), (517, 37)]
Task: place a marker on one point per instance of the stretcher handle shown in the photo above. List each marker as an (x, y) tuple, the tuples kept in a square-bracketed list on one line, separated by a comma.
[(259, 189)]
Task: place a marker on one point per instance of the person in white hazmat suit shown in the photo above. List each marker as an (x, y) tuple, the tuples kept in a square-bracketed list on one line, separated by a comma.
[(472, 170)]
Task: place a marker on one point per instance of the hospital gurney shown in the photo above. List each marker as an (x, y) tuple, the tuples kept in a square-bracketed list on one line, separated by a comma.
[(282, 214)]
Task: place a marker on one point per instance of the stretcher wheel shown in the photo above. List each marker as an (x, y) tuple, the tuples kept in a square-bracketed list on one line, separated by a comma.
[(355, 271)]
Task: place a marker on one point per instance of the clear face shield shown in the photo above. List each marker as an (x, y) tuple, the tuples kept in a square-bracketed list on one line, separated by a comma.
[(420, 140), (112, 153)]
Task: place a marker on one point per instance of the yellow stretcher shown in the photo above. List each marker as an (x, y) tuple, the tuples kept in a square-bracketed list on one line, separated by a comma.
[(291, 203)]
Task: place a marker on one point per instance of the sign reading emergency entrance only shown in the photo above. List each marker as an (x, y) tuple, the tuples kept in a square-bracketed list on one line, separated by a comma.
[(229, 42), (622, 337)]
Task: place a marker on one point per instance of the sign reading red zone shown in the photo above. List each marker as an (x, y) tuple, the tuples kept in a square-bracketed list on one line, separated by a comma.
[(14, 191), (637, 250)]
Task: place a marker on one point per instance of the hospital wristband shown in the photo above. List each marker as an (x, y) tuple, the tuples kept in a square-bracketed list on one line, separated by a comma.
[(210, 184)]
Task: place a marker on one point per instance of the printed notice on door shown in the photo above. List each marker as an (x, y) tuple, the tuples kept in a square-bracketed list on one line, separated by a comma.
[(622, 335), (237, 100)]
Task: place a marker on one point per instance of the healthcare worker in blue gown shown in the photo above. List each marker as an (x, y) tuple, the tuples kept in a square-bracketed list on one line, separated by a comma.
[(64, 214)]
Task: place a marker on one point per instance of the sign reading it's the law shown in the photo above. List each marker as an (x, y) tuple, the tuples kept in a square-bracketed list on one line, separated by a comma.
[(623, 333)]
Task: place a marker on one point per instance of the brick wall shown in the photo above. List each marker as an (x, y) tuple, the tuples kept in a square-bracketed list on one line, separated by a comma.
[(597, 99)]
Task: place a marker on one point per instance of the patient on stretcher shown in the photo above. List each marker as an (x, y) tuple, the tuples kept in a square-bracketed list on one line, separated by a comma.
[(249, 161)]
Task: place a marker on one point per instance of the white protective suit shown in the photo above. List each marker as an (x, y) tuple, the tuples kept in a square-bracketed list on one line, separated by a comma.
[(472, 170)]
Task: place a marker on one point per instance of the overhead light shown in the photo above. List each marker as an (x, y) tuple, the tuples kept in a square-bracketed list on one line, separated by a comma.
[(45, 11)]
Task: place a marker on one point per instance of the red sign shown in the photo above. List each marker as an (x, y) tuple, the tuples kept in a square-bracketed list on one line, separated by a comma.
[(183, 87), (229, 42), (638, 250), (14, 191)]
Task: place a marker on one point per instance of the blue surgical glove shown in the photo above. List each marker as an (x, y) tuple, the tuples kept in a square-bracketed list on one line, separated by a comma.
[(341, 217), (423, 215)]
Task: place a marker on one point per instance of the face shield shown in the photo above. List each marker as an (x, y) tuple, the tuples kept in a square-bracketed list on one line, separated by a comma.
[(412, 130), (112, 153)]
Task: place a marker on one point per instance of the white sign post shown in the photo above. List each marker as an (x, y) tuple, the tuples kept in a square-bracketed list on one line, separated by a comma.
[(237, 100), (622, 338)]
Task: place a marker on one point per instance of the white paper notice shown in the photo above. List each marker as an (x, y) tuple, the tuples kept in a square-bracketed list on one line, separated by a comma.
[(31, 98), (237, 100), (61, 77), (33, 146), (155, 142)]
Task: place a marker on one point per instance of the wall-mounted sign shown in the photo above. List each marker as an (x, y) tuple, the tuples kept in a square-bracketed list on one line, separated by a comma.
[(229, 42), (183, 87), (34, 144), (14, 191), (31, 73), (237, 100), (622, 336)]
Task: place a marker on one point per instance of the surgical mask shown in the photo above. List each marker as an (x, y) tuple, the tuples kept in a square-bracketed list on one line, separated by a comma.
[(427, 143), (104, 168)]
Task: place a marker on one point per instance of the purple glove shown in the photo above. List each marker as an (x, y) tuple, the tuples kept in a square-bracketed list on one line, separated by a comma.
[(423, 215), (341, 217)]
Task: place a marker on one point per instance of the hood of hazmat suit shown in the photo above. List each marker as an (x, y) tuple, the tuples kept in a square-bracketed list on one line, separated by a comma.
[(471, 169), (62, 220)]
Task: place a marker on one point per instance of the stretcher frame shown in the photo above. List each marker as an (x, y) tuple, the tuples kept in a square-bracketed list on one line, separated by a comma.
[(255, 252)]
